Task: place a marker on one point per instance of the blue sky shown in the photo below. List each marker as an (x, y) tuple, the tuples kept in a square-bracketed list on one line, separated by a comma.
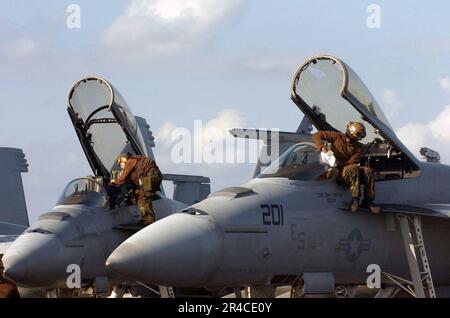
[(177, 66)]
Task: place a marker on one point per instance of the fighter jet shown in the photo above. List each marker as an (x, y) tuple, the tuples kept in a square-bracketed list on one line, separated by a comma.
[(88, 223), (291, 225)]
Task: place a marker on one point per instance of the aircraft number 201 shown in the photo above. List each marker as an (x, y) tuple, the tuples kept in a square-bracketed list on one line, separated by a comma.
[(272, 214)]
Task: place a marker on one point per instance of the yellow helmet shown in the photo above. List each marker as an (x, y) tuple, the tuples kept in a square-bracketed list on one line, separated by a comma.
[(123, 157), (355, 130)]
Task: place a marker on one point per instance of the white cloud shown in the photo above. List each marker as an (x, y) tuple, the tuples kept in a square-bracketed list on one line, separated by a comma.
[(162, 136), (205, 11), (392, 103), (221, 175), (25, 57), (415, 136), (225, 120), (434, 134), (21, 49), (445, 83), (440, 126), (152, 28), (208, 142)]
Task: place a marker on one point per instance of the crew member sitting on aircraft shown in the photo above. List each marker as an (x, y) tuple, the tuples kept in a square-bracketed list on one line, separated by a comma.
[(348, 152), (143, 173)]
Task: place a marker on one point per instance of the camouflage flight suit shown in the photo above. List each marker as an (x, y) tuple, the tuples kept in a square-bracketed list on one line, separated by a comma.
[(146, 176), (355, 175)]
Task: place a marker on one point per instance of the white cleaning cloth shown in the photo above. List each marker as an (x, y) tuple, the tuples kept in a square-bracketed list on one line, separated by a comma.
[(328, 158)]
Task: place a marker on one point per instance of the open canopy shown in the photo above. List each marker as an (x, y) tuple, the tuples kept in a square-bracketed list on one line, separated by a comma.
[(330, 94), (104, 124)]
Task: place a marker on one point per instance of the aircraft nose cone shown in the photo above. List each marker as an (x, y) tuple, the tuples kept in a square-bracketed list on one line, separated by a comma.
[(16, 270), (126, 260), (28, 261), (180, 250)]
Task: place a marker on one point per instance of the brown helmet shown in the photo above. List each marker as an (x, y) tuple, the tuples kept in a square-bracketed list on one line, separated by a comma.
[(355, 130)]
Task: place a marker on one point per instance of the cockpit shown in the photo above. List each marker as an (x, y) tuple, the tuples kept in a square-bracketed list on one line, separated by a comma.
[(330, 94), (299, 162), (84, 191)]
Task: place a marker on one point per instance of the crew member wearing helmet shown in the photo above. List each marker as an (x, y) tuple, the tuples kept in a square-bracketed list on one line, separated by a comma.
[(145, 175), (348, 152)]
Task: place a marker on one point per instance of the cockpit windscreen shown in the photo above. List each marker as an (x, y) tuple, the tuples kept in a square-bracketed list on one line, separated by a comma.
[(299, 162), (84, 191)]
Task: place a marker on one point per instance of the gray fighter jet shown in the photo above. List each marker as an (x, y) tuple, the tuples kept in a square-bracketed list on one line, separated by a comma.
[(291, 224), (88, 223)]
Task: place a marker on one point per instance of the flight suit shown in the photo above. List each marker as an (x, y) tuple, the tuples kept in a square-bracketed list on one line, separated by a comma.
[(355, 175), (146, 176), (348, 155)]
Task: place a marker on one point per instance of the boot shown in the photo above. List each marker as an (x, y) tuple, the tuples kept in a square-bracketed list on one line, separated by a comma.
[(354, 207), (147, 216), (368, 203)]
